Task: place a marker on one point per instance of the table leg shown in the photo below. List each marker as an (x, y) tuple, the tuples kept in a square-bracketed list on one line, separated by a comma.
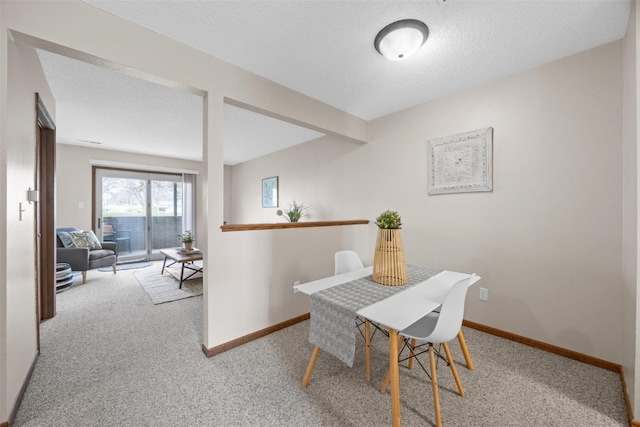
[(181, 275), (434, 385), (367, 344), (312, 364), (394, 377), (387, 379), (163, 264)]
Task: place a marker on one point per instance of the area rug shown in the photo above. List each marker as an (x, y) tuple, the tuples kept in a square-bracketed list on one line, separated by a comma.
[(163, 288), (127, 266)]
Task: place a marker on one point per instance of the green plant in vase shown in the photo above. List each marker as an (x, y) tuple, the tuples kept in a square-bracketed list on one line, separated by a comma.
[(295, 212), (389, 266), (186, 238), (389, 220)]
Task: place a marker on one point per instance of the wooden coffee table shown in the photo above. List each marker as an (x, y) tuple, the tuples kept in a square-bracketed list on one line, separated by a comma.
[(186, 259)]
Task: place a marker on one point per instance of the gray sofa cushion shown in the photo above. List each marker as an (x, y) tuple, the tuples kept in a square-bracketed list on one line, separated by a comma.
[(65, 238), (99, 253), (83, 239)]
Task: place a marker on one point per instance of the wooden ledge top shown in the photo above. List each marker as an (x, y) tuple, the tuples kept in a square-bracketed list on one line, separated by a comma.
[(276, 226)]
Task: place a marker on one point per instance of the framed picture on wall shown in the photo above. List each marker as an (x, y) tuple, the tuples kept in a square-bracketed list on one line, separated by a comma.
[(461, 163), (270, 192)]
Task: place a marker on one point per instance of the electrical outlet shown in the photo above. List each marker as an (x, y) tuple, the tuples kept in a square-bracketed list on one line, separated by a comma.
[(483, 294), (296, 283)]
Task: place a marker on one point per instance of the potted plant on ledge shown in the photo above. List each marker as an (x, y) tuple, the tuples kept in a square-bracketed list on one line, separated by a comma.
[(295, 212), (187, 240), (389, 266)]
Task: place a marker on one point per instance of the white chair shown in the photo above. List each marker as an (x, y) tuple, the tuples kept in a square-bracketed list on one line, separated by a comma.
[(347, 261), (437, 328)]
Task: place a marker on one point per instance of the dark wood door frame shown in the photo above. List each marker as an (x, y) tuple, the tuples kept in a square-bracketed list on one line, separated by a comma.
[(45, 214)]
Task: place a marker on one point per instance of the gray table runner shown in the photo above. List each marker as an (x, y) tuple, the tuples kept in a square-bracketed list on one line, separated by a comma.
[(333, 310)]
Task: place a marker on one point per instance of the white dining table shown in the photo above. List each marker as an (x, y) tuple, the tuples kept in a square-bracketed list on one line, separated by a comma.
[(331, 281), (395, 312)]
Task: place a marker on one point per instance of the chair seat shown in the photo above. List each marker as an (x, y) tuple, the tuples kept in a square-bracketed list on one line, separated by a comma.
[(100, 253), (422, 328)]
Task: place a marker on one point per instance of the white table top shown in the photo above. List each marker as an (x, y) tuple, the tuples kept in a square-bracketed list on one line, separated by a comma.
[(440, 284), (331, 281), (407, 307)]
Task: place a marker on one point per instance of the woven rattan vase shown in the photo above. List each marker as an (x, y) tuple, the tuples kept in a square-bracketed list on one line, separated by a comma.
[(389, 266)]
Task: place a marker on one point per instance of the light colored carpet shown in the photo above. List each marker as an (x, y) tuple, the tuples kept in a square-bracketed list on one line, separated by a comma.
[(112, 358), (163, 288)]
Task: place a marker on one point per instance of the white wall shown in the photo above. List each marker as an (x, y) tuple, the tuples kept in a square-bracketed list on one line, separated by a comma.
[(309, 173), (228, 211), (22, 78), (630, 329), (547, 241), (255, 288)]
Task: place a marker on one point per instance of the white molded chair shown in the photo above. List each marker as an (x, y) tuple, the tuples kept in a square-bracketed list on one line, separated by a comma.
[(437, 328), (347, 261)]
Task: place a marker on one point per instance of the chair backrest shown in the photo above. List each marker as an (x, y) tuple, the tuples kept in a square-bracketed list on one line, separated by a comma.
[(347, 261), (451, 313), (107, 232)]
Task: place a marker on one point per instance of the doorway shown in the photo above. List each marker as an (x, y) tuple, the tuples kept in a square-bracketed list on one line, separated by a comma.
[(141, 211), (45, 257)]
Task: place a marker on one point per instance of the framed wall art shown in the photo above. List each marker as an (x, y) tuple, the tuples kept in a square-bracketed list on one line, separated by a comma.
[(461, 163), (270, 192)]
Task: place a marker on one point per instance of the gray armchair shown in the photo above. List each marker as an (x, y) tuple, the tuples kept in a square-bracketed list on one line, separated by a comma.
[(83, 259)]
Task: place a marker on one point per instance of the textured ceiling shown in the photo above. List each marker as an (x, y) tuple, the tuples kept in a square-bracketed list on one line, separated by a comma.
[(324, 49)]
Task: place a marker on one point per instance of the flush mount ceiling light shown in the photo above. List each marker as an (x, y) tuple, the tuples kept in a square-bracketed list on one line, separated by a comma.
[(401, 39)]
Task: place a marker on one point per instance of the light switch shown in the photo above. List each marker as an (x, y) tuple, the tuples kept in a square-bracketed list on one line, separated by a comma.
[(81, 205)]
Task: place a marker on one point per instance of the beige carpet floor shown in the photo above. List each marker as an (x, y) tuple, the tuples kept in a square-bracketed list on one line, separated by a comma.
[(112, 358)]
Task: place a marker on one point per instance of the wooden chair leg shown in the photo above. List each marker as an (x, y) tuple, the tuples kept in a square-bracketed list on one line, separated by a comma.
[(413, 347), (310, 366), (387, 379), (434, 385), (84, 277), (367, 344), (114, 267), (454, 371), (465, 351), (385, 383)]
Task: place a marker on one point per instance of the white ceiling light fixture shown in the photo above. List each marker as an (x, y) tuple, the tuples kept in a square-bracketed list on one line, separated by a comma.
[(401, 39)]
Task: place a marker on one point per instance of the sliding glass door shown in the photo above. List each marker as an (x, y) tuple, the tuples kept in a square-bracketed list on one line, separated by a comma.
[(165, 212), (140, 211)]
